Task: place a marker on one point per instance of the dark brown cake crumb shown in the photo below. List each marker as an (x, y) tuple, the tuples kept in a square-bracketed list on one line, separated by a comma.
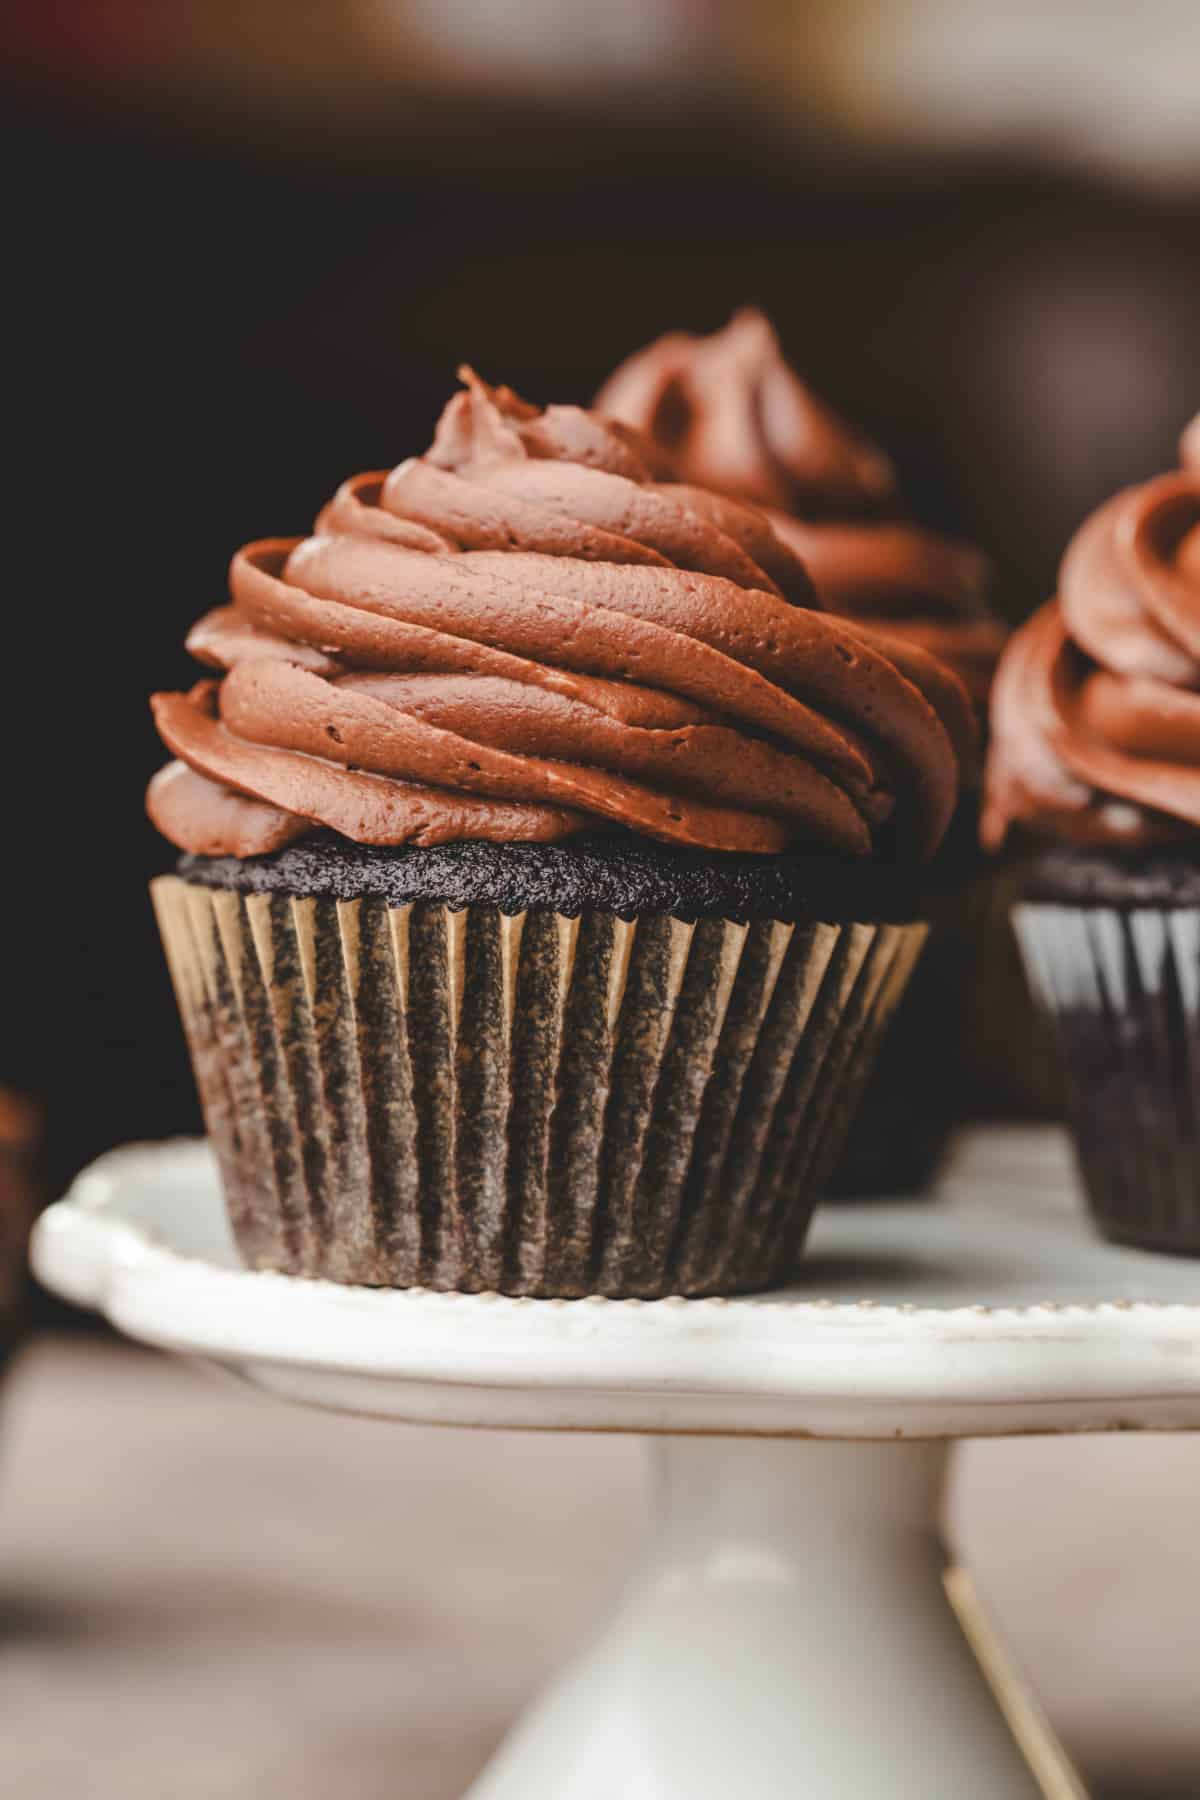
[(614, 873), (1119, 878)]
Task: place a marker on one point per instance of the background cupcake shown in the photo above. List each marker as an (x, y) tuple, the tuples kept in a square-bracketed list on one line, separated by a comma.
[(733, 415), (20, 1139), (550, 874), (1096, 754)]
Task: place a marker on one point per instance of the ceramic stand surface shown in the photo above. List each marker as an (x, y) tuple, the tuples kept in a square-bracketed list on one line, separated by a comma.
[(789, 1628), (786, 1632)]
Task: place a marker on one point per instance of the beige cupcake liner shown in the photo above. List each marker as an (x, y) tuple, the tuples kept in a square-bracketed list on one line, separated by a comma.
[(533, 1104)]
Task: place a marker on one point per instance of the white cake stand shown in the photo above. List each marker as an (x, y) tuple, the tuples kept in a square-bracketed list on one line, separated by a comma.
[(791, 1628)]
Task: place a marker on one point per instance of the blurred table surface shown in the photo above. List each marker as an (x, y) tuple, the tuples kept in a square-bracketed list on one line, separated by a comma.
[(203, 1593)]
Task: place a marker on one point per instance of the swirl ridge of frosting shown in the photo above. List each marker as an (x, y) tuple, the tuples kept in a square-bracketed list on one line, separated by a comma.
[(529, 632), (1096, 705), (734, 416)]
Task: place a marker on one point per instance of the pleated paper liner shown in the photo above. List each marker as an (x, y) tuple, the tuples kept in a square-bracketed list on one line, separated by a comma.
[(530, 1104), (1122, 988), (916, 1092), (967, 1042)]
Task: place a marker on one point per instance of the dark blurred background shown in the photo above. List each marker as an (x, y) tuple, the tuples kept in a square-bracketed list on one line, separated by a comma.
[(249, 243)]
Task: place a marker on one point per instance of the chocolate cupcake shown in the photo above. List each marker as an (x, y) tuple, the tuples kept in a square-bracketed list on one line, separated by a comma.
[(732, 415), (20, 1142), (1096, 757), (549, 875)]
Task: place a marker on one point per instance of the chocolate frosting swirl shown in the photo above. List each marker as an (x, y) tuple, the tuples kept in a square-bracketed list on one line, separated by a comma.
[(524, 634), (734, 416), (1096, 708)]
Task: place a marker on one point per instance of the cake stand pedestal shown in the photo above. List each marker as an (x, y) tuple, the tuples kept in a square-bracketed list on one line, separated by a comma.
[(792, 1626)]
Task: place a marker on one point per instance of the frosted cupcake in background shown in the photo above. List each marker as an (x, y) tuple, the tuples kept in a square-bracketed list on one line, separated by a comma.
[(550, 875), (732, 415), (1096, 757), (20, 1142)]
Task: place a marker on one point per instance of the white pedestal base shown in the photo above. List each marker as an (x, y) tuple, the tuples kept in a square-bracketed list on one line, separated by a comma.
[(786, 1633)]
